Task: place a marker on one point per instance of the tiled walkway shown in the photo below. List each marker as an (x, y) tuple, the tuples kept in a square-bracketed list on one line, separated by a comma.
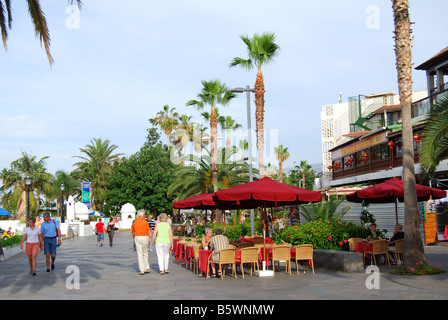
[(111, 273)]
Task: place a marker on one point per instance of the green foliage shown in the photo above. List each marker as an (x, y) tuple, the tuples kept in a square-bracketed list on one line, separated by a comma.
[(418, 270), (326, 209), (366, 217), (330, 234), (9, 242), (142, 180)]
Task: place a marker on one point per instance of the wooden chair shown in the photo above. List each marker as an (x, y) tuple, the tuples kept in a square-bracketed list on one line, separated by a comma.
[(304, 252), (378, 247), (352, 243), (226, 256), (245, 245), (281, 253), (397, 250), (258, 240), (196, 258), (249, 255)]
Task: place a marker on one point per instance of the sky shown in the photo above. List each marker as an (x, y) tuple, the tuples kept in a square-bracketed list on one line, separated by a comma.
[(118, 63)]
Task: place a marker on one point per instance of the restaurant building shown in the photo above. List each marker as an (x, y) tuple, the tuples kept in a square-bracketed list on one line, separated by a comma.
[(370, 148)]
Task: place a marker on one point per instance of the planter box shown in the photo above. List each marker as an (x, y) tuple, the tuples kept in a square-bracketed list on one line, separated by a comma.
[(344, 261), (12, 251)]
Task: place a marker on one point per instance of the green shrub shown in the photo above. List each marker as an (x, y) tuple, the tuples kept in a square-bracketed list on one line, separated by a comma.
[(9, 242), (327, 234)]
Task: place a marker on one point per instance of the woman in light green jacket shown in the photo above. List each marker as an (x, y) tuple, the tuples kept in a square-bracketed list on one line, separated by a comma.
[(163, 236)]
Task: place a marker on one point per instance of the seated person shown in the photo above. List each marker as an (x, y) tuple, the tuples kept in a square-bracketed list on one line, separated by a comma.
[(373, 235), (398, 233), (218, 242), (207, 238)]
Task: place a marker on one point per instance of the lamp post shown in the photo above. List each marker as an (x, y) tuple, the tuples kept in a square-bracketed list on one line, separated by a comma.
[(248, 90), (62, 202), (28, 181)]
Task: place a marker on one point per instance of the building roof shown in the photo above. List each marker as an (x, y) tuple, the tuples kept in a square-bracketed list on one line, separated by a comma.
[(396, 107), (441, 56)]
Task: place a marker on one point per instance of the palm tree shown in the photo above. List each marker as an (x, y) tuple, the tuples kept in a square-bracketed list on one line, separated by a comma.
[(306, 169), (72, 186), (435, 143), (96, 166), (413, 245), (213, 93), (282, 155), (191, 181), (261, 50), (324, 210), (167, 120), (37, 17), (228, 123), (14, 187)]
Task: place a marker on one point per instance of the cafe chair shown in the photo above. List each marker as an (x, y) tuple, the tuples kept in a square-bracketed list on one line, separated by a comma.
[(375, 248), (196, 258), (397, 250), (258, 240), (304, 252), (226, 256), (281, 253), (249, 255), (245, 245), (352, 243)]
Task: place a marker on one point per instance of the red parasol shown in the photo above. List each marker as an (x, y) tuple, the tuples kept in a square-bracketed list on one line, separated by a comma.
[(392, 190)]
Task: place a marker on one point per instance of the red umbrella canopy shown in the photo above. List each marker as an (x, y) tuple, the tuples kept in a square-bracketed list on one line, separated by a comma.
[(265, 192), (392, 189), (203, 201)]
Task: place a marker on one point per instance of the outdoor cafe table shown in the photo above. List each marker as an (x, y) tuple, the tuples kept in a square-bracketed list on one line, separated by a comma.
[(189, 253), (361, 247), (175, 241), (203, 259), (178, 254)]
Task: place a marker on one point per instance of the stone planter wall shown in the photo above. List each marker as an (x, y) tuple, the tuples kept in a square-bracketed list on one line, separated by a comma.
[(12, 251), (339, 260)]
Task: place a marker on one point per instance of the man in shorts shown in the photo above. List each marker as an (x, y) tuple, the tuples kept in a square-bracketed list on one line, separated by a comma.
[(51, 234)]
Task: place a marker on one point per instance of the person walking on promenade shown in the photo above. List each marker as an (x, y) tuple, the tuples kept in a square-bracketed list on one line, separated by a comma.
[(33, 238), (152, 225), (111, 230), (141, 233), (163, 236), (51, 235), (99, 228)]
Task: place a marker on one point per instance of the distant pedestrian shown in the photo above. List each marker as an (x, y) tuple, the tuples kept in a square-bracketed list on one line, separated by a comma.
[(141, 233), (111, 230), (99, 227), (33, 237), (51, 235), (163, 236), (152, 225)]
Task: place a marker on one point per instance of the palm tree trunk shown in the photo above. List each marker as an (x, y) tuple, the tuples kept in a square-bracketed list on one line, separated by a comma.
[(413, 245), (214, 152), (259, 119)]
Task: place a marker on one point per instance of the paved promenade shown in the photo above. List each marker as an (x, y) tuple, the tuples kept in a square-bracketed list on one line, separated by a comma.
[(111, 273)]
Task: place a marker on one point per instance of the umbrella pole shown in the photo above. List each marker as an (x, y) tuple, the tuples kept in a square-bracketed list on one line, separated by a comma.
[(396, 211)]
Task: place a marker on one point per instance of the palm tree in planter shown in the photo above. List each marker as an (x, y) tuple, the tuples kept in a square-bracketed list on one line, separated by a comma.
[(261, 50), (413, 245)]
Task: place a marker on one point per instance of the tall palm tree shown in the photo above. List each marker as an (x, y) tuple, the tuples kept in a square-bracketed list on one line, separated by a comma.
[(167, 119), (72, 186), (413, 244), (212, 94), (228, 123), (96, 166), (435, 143), (282, 155), (37, 17), (261, 50)]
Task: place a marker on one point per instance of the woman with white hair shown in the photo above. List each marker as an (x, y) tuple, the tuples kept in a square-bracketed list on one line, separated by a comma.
[(163, 235)]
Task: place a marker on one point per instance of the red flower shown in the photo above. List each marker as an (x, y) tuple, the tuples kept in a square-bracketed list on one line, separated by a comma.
[(296, 227), (341, 243), (345, 240), (329, 238), (288, 236)]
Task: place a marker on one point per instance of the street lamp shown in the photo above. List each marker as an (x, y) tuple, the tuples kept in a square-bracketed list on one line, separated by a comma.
[(248, 90), (28, 181), (62, 203)]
